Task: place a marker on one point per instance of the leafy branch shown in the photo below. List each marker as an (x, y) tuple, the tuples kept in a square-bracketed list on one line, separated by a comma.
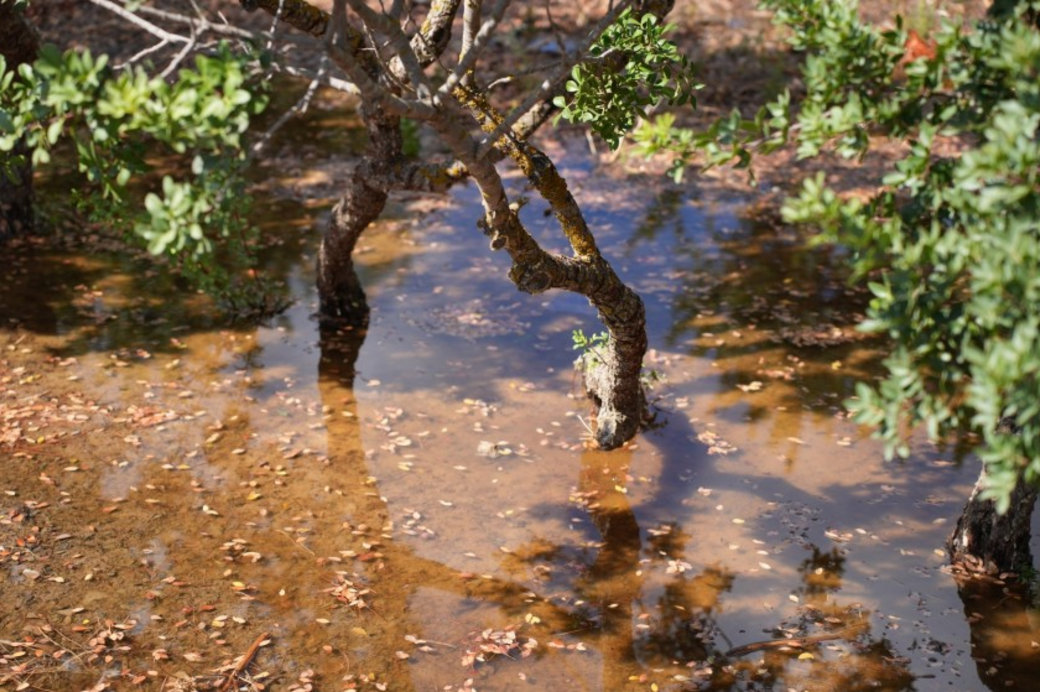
[(611, 100)]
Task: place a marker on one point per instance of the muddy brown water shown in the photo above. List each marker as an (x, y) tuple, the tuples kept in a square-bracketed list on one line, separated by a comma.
[(415, 508)]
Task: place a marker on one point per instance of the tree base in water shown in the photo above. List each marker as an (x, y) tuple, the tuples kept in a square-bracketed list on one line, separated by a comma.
[(987, 542)]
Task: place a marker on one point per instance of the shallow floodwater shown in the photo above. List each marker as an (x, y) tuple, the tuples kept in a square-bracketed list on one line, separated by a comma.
[(416, 508)]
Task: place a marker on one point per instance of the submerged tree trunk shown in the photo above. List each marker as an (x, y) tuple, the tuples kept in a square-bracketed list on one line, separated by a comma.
[(988, 542), (18, 45), (340, 292), (339, 288)]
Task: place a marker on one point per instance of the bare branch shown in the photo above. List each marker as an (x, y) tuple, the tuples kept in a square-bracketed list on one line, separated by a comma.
[(480, 40), (181, 55), (392, 30), (200, 25), (470, 25), (399, 9), (338, 37), (140, 54), (274, 24), (433, 37), (539, 170), (297, 13), (536, 69), (325, 79), (412, 177), (138, 22), (298, 108)]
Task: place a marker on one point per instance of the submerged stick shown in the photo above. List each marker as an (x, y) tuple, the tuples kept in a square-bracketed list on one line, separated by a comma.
[(794, 642), (244, 662)]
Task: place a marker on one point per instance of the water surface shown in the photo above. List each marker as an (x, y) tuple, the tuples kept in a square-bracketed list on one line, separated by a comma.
[(415, 507)]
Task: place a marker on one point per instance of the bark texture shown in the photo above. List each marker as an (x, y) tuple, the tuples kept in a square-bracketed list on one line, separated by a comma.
[(988, 542), (18, 45)]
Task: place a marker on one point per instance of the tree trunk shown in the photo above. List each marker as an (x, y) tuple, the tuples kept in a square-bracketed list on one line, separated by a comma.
[(18, 45), (614, 382), (340, 292), (988, 542)]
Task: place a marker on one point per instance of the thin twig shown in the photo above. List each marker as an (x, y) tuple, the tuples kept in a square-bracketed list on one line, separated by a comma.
[(140, 54), (329, 81), (298, 545), (480, 40), (225, 29), (794, 642), (183, 53), (373, 20), (523, 73), (274, 23), (298, 108), (244, 662)]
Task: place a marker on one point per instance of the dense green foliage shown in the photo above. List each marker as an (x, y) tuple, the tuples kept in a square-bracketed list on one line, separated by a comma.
[(609, 100), (950, 244), (113, 117)]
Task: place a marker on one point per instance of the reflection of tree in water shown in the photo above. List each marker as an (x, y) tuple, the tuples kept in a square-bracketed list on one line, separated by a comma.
[(600, 589), (858, 661), (752, 273), (633, 633), (1005, 630), (639, 623), (821, 574), (611, 583), (623, 591)]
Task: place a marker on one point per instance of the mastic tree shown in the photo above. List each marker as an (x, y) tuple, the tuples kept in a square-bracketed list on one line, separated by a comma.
[(949, 243), (403, 63)]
